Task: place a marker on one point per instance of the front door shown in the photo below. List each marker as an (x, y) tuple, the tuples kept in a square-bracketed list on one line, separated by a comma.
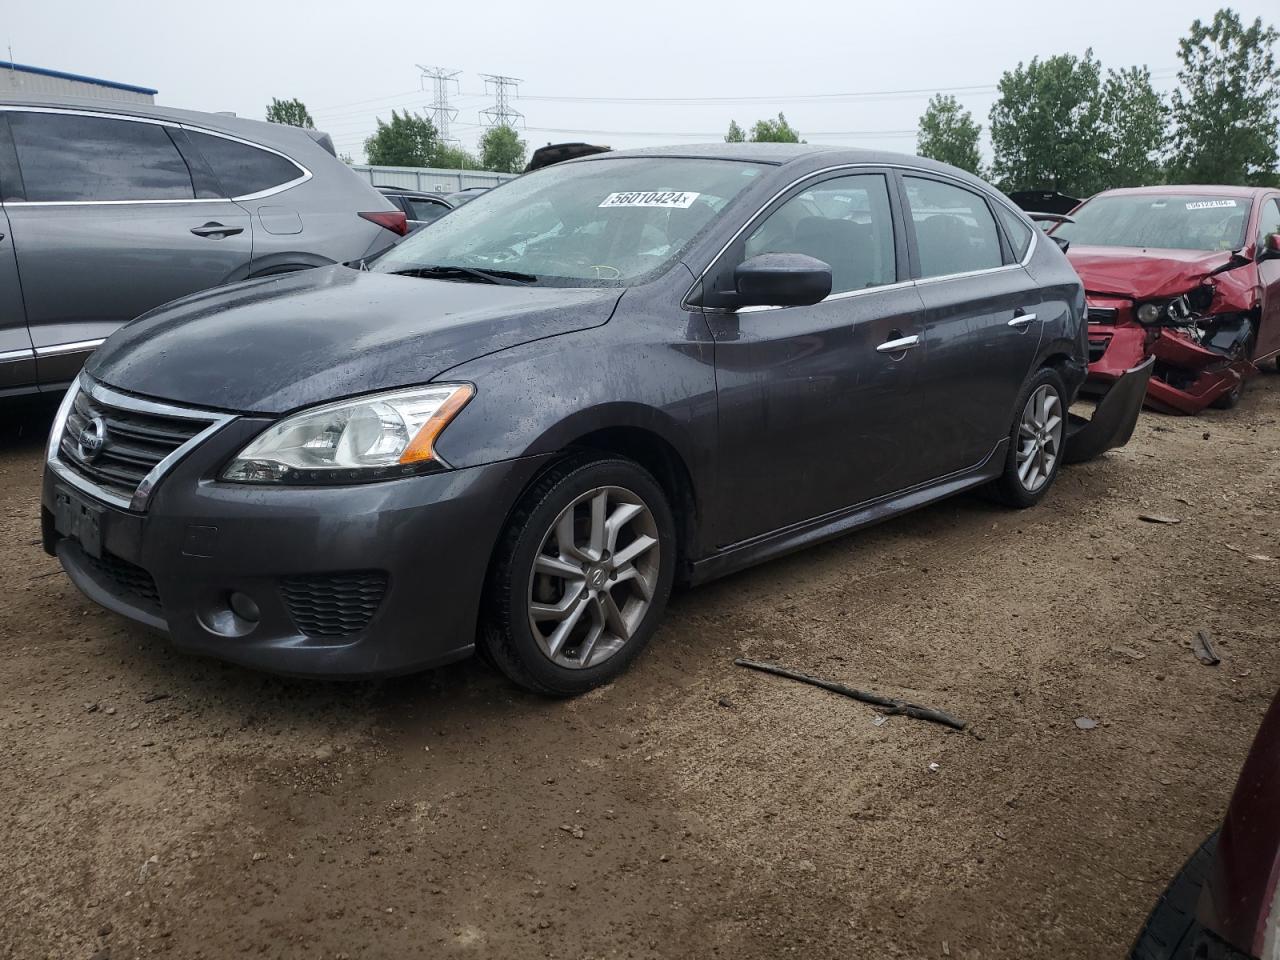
[(814, 411), (980, 324), (1269, 279), (110, 226)]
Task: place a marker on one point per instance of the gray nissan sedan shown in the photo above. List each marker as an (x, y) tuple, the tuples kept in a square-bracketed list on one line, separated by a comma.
[(515, 431)]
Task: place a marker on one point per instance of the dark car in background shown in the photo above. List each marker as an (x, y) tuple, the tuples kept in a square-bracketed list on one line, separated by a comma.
[(1188, 275), (1225, 902), (110, 209), (420, 208), (520, 427)]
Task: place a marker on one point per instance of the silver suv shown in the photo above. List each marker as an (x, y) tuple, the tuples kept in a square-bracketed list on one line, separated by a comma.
[(108, 210)]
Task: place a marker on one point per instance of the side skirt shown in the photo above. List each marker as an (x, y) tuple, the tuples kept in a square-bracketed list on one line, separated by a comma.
[(768, 546)]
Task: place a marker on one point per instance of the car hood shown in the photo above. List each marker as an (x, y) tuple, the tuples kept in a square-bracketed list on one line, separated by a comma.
[(1143, 274), (280, 343)]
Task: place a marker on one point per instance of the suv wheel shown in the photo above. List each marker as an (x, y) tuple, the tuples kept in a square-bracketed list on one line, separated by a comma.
[(581, 577)]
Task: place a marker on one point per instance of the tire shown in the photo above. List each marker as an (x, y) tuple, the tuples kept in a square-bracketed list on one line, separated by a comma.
[(1010, 488), (1231, 399), (591, 605), (1171, 931)]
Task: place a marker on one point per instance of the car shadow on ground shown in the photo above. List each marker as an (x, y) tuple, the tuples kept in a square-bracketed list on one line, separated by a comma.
[(25, 422)]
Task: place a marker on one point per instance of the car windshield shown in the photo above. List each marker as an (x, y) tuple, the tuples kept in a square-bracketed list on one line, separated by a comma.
[(598, 222), (1166, 221)]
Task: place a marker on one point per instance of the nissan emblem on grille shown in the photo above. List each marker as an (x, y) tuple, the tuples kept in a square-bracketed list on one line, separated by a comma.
[(93, 436)]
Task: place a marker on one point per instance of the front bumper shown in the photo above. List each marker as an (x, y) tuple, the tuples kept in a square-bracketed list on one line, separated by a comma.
[(1191, 377), (374, 579)]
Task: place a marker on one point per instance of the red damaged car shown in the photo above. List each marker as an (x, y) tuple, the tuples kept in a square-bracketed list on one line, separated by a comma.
[(1189, 275), (1225, 903)]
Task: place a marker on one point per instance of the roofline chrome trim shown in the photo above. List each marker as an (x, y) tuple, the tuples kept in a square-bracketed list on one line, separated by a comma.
[(58, 349), (138, 502), (1031, 247), (181, 125)]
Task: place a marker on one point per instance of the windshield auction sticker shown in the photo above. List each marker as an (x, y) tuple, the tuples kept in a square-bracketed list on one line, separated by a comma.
[(1209, 204), (651, 198)]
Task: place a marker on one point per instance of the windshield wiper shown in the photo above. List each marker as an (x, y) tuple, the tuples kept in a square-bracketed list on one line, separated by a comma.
[(453, 272)]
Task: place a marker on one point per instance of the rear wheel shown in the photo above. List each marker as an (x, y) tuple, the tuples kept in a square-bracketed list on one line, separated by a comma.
[(581, 577), (1035, 442)]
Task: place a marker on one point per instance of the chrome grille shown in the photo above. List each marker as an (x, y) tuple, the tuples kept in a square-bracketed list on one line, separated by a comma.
[(116, 446)]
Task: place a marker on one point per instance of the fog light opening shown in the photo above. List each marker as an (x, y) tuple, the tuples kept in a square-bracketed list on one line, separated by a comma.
[(244, 607)]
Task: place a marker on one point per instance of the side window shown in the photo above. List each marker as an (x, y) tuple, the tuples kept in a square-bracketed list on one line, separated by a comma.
[(67, 157), (242, 169), (955, 232), (845, 222), (1015, 229), (1269, 222)]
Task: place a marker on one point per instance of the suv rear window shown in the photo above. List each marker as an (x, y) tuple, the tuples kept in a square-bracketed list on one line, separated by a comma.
[(243, 169), (65, 157)]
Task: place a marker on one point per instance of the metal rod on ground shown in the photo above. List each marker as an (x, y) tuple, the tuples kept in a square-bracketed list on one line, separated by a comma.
[(889, 706)]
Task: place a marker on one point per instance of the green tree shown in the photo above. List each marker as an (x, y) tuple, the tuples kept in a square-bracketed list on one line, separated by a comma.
[(407, 141), (1046, 125), (293, 112), (948, 134), (453, 158), (773, 131), (502, 149), (1224, 112), (735, 134), (1134, 120)]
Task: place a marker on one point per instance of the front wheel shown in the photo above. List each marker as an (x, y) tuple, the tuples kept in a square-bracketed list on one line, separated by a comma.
[(581, 577), (1035, 442)]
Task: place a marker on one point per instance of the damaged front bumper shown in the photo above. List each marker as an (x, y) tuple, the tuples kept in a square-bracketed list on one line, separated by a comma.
[(1114, 417)]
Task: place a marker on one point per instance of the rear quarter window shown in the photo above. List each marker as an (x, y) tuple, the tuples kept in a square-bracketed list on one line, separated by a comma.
[(1017, 232), (243, 169)]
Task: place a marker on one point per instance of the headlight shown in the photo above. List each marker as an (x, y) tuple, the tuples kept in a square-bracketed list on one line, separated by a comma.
[(1149, 313), (377, 437)]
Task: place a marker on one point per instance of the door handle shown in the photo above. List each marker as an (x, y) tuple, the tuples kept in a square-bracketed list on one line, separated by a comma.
[(1020, 320), (900, 345), (216, 230)]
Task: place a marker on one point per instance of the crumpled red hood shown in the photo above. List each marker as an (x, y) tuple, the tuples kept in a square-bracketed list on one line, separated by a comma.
[(1143, 274)]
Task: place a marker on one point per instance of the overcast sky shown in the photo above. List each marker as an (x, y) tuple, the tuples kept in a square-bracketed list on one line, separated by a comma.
[(351, 62)]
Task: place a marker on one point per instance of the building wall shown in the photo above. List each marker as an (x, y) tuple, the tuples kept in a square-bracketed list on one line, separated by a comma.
[(19, 82), (430, 179)]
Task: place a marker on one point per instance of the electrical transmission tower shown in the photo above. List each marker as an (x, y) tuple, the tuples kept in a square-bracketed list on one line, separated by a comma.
[(441, 113), (501, 114)]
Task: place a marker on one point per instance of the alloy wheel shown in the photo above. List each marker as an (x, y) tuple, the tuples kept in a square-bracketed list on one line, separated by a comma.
[(594, 577), (1039, 438)]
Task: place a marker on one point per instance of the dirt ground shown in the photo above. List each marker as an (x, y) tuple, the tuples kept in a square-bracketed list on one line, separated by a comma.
[(159, 805)]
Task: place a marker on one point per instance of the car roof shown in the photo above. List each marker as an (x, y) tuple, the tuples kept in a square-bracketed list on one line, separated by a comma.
[(278, 135), (783, 154), (1185, 189)]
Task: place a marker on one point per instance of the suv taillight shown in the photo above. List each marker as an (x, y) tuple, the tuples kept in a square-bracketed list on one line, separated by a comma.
[(393, 220)]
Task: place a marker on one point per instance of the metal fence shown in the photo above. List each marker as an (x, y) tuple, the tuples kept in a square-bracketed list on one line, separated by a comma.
[(430, 179)]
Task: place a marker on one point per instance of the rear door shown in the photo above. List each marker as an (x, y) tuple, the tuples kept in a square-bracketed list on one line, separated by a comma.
[(17, 359), (813, 409), (1269, 278), (979, 323), (113, 221)]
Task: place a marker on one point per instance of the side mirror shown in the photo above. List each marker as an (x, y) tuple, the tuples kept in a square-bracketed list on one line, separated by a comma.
[(782, 280), (1269, 248)]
